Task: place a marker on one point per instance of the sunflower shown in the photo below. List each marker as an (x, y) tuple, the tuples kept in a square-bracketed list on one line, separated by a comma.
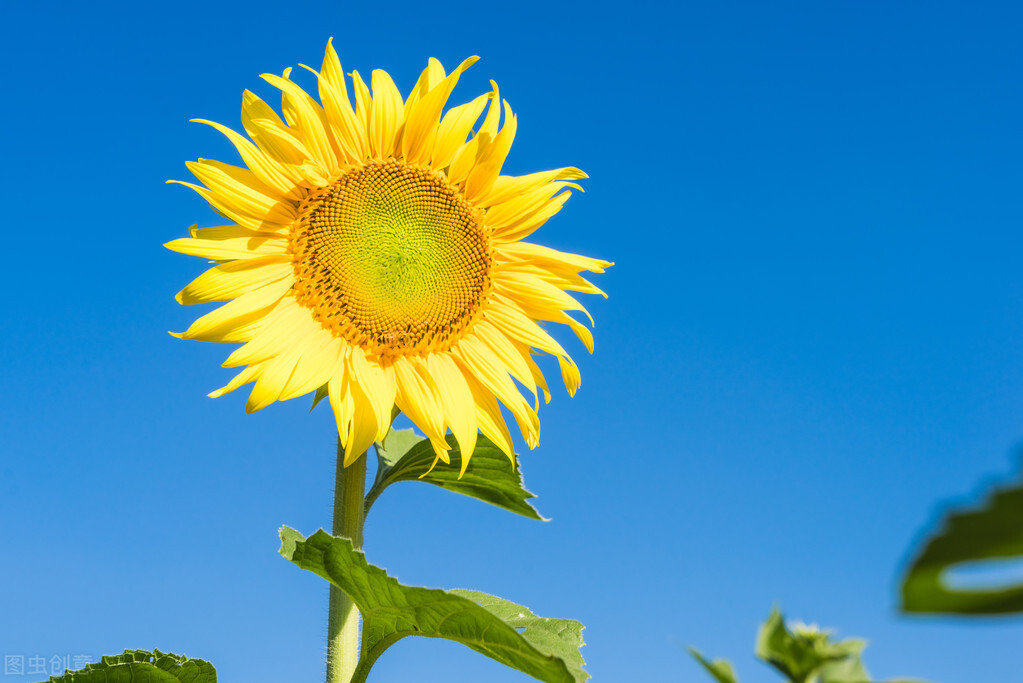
[(376, 257)]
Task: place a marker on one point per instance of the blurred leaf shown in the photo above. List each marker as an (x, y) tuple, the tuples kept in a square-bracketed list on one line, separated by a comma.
[(490, 477), (546, 649), (848, 670), (140, 666), (808, 652), (804, 654), (994, 532), (720, 669)]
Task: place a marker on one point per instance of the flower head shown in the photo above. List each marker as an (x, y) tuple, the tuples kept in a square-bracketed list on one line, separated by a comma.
[(376, 256)]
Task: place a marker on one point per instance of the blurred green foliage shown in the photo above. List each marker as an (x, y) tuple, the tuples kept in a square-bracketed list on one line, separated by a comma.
[(801, 653), (974, 538)]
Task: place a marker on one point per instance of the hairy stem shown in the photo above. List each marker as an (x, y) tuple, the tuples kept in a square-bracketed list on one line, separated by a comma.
[(343, 616)]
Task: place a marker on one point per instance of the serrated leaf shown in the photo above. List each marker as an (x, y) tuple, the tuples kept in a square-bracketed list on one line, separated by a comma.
[(720, 669), (560, 637), (140, 666), (490, 477), (391, 611), (994, 532), (806, 653)]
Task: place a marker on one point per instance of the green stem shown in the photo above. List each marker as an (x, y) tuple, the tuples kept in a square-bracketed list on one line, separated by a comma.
[(343, 616)]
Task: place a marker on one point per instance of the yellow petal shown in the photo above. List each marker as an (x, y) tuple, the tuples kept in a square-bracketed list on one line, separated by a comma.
[(363, 104), (271, 134), (507, 353), (347, 131), (309, 119), (315, 367), (385, 115), (538, 294), (288, 325), (569, 374), (538, 311), (465, 158), (273, 376), (227, 208), (428, 79), (508, 187), (535, 371), (268, 170), (456, 398), (490, 122), (491, 159), (561, 277), (241, 311), (378, 385), (243, 190), (334, 75), (365, 424), (231, 231), (341, 402), (440, 451), (417, 397), (535, 253), (235, 331), (512, 321), (463, 161), (522, 228), (233, 248), (423, 119), (522, 207), (454, 128), (234, 278), (489, 418), (488, 370), (247, 375)]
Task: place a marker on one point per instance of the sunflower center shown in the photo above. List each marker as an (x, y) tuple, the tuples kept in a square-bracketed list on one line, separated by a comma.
[(392, 258)]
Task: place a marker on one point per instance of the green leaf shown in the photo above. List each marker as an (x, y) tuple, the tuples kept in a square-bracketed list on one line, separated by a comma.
[(140, 666), (560, 637), (490, 477), (547, 649), (994, 532), (321, 393), (848, 670), (807, 652), (720, 669)]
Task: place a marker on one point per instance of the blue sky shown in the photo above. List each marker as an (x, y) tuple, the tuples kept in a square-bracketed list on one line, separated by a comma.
[(810, 345)]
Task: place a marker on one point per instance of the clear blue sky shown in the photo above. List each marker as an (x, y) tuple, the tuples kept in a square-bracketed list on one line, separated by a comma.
[(812, 339)]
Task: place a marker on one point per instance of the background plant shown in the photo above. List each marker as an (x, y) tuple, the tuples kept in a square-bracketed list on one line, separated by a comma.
[(802, 654)]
